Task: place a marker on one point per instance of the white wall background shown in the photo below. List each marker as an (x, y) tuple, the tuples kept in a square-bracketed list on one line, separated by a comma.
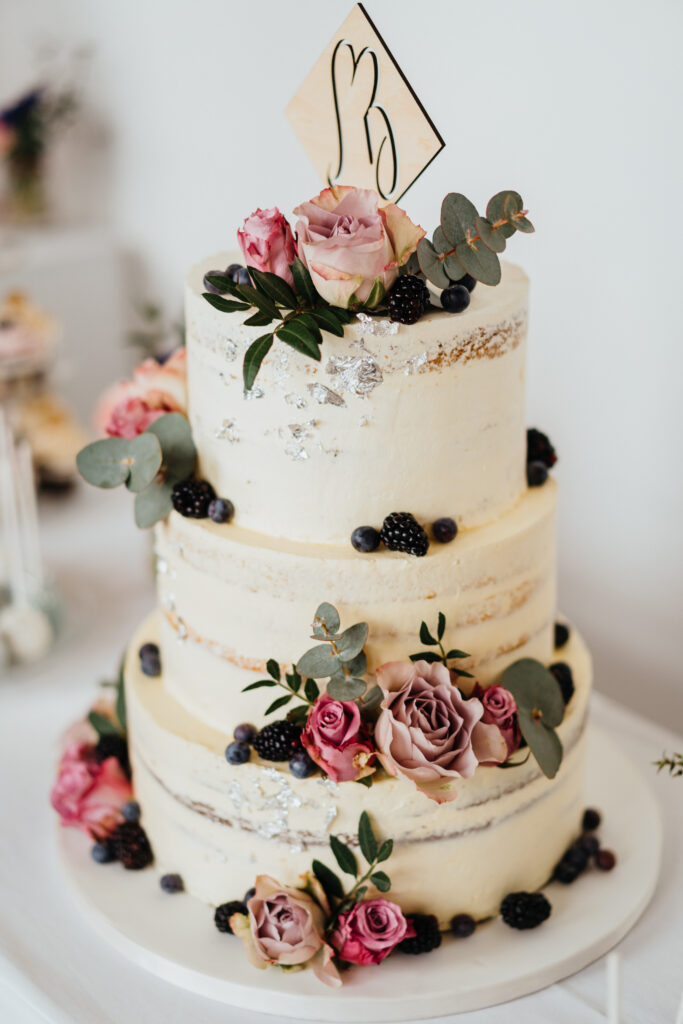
[(577, 105)]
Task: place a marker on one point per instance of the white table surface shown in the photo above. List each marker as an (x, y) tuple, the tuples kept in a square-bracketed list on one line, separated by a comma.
[(54, 969)]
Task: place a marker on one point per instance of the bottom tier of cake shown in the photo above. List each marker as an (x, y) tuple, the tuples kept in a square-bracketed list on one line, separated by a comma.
[(220, 825)]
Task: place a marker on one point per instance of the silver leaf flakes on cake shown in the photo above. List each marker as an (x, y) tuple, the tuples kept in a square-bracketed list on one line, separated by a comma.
[(227, 432), (298, 401), (378, 328), (296, 452), (415, 364), (256, 392), (324, 395), (358, 374), (301, 431)]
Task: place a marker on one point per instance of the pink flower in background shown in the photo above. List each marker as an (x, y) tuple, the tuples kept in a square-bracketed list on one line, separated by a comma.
[(336, 740), (349, 243), (6, 138), (368, 932), (88, 795), (267, 243), (126, 409), (285, 927), (500, 711)]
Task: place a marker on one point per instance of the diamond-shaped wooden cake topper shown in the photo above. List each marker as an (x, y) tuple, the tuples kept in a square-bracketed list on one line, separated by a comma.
[(358, 118)]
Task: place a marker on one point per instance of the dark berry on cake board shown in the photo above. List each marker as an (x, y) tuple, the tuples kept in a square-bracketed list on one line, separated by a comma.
[(536, 473), (462, 926), (171, 883), (524, 910), (365, 539), (539, 448), (191, 498), (402, 532), (237, 752), (467, 281), (150, 660), (113, 745), (605, 860), (408, 299), (573, 863), (131, 846), (444, 530), (591, 820), (278, 741), (427, 935), (589, 843), (562, 633), (220, 510), (224, 912), (563, 674), (455, 299)]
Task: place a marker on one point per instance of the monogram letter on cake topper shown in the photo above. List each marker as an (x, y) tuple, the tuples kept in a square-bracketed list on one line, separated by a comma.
[(358, 118)]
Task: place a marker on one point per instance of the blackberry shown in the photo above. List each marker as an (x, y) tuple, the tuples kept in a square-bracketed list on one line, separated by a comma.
[(539, 448), (591, 820), (223, 914), (563, 674), (445, 530), (171, 883), (427, 935), (524, 910), (112, 745), (277, 741), (191, 498), (131, 846), (408, 299), (365, 539), (402, 532), (561, 635), (589, 843), (462, 926)]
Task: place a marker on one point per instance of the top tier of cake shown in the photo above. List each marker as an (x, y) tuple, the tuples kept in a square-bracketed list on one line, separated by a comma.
[(427, 419)]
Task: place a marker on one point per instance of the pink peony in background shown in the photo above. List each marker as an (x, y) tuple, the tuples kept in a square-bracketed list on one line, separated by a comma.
[(336, 740), (127, 408), (368, 932), (349, 243), (267, 243), (88, 795)]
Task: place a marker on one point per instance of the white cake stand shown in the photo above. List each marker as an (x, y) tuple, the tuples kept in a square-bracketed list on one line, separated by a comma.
[(174, 936)]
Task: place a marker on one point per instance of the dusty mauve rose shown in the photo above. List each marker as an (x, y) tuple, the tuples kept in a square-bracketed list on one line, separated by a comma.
[(286, 926), (348, 243), (267, 243), (336, 740), (88, 795), (127, 408), (500, 710), (427, 731), (368, 932)]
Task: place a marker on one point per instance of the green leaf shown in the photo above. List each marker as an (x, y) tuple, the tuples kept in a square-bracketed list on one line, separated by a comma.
[(121, 712), (253, 357), (279, 703), (358, 665), (102, 725), (543, 741), (311, 325), (495, 211), (480, 262), (146, 458), (493, 238), (105, 463), (303, 282), (342, 315), (328, 321), (362, 889), (329, 881), (318, 663), (179, 452), (365, 780), (352, 641), (372, 699), (311, 689), (377, 294), (535, 688), (274, 287), (273, 669), (426, 637), (458, 215), (346, 689), (441, 627), (431, 657), (430, 265), (455, 653), (153, 504), (294, 680), (258, 685), (254, 297), (329, 617), (298, 337), (298, 714), (224, 305), (345, 858), (259, 320), (366, 838), (460, 672), (381, 881), (385, 850)]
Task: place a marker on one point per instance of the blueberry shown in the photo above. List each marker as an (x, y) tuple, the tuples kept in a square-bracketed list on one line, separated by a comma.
[(232, 269), (237, 752), (563, 674), (245, 733), (241, 276), (221, 510), (591, 820), (149, 651), (301, 765), (171, 883), (536, 474), (444, 530), (131, 811), (150, 662), (561, 635), (462, 925), (467, 281), (455, 299), (365, 538), (589, 843), (102, 853), (208, 287), (248, 894), (605, 860), (576, 857)]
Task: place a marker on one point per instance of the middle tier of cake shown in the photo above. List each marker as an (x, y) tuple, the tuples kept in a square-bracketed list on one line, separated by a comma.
[(232, 599)]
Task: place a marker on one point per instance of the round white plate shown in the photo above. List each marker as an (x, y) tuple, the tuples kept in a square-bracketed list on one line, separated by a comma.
[(174, 936)]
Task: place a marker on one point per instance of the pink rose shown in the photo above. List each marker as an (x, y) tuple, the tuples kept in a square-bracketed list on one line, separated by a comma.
[(336, 740), (267, 243), (500, 711), (427, 731), (88, 795), (7, 138), (286, 926), (126, 409), (368, 932), (350, 244)]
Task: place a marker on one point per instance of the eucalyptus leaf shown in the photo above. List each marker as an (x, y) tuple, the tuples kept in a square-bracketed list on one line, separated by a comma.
[(105, 463), (346, 689), (543, 741), (458, 215), (224, 305), (366, 838), (372, 699), (525, 225), (146, 457), (274, 287), (303, 282), (412, 266), (179, 452), (493, 238), (381, 881), (278, 703), (329, 617), (253, 357), (453, 268), (358, 665), (153, 504), (258, 685), (535, 688), (344, 857), (102, 725), (299, 338), (328, 321), (441, 627), (430, 264), (311, 689), (495, 211), (273, 669), (318, 663), (426, 637), (352, 641), (440, 242), (480, 262), (330, 882)]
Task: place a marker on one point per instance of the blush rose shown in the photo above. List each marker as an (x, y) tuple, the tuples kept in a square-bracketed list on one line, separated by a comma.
[(267, 243), (88, 795), (336, 740), (368, 932), (128, 407), (500, 711)]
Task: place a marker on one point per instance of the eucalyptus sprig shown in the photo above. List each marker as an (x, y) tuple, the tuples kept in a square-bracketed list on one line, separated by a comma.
[(444, 656), (673, 764), (292, 684), (466, 243), (300, 312), (373, 853), (341, 658), (540, 709)]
